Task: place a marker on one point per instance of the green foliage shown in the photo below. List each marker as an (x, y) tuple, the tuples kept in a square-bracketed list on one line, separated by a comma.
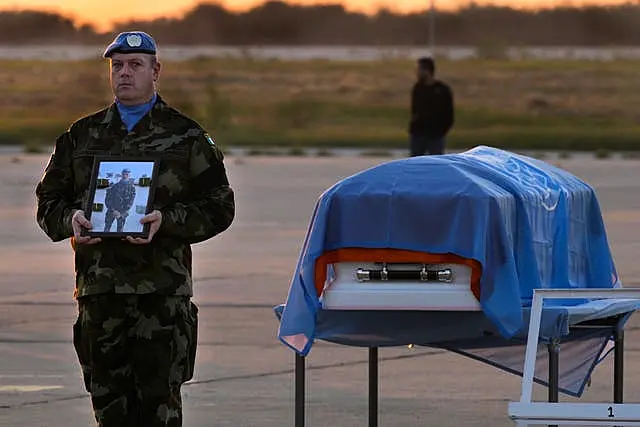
[(602, 153), (7, 138), (552, 106), (282, 23), (324, 153), (300, 112), (33, 146), (565, 155), (217, 109), (297, 152), (492, 49)]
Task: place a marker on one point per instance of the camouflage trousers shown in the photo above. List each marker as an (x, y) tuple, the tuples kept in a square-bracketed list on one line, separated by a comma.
[(136, 351), (110, 217)]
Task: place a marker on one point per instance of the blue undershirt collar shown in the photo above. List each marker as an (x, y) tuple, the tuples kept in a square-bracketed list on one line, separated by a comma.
[(131, 114)]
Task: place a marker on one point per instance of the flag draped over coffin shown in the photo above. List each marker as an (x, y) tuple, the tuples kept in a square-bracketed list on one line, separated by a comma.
[(528, 223)]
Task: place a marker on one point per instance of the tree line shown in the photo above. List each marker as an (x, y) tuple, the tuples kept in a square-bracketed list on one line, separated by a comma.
[(279, 23)]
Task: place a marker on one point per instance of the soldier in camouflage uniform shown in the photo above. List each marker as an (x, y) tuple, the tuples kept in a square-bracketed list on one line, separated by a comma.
[(119, 199), (136, 331)]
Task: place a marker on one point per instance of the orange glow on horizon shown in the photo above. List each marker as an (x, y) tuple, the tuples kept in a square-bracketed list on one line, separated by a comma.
[(102, 15)]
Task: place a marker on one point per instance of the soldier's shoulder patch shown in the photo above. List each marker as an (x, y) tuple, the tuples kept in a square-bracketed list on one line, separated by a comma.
[(210, 140)]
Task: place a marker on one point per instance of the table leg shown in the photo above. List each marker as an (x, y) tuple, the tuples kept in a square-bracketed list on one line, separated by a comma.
[(618, 365), (299, 390), (554, 371), (373, 387)]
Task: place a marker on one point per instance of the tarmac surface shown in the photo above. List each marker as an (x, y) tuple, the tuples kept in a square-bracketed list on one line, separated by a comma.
[(244, 376)]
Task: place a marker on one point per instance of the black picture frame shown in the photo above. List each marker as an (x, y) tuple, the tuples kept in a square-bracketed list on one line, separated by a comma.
[(108, 187)]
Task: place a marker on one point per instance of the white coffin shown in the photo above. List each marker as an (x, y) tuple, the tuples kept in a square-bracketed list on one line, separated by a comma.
[(346, 292)]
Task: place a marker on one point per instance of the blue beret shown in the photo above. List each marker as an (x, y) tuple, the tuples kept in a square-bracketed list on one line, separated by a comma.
[(131, 42)]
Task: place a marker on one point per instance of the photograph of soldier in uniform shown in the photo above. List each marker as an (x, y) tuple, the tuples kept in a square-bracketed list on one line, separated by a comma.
[(119, 199), (122, 191)]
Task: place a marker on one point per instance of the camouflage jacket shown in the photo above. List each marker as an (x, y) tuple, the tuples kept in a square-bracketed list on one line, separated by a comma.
[(192, 192), (120, 196)]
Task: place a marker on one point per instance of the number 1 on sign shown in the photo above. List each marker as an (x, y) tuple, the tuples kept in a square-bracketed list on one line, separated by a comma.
[(611, 412)]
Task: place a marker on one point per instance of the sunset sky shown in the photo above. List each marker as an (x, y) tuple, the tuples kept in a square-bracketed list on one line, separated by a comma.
[(102, 14)]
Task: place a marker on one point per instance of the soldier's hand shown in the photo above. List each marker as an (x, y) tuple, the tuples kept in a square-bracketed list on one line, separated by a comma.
[(117, 214), (154, 219), (78, 222)]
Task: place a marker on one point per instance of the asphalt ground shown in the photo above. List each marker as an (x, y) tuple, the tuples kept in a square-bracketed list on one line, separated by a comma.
[(244, 375)]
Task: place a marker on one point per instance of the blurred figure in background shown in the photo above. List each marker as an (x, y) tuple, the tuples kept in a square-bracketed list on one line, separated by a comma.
[(431, 111)]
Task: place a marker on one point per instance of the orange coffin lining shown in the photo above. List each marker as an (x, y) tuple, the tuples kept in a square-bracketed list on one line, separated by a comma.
[(393, 256)]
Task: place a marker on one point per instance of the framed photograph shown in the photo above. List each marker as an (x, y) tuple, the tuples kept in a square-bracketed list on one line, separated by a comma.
[(120, 194)]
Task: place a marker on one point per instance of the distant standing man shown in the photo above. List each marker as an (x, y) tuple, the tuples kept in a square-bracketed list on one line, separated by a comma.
[(431, 111), (119, 200)]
